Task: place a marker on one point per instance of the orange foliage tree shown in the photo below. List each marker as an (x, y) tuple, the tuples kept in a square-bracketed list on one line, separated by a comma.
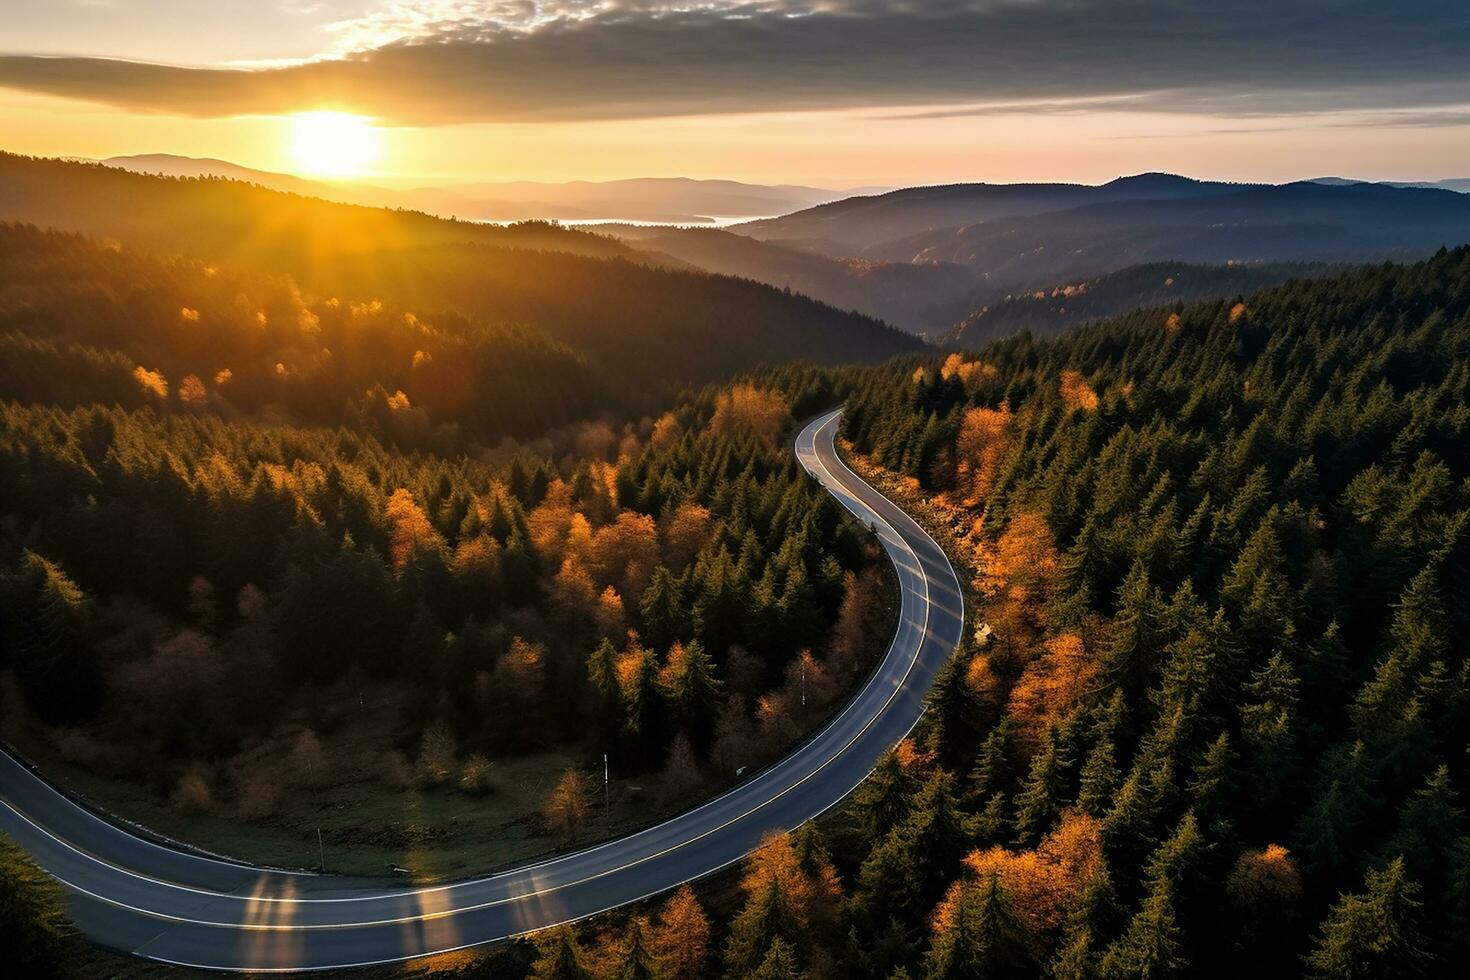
[(410, 528), (1018, 573), (681, 936), (1265, 881), (1077, 393), (1043, 882), (1052, 684), (815, 890), (984, 440)]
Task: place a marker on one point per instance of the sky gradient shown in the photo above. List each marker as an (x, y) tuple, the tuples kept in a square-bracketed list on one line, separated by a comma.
[(830, 92)]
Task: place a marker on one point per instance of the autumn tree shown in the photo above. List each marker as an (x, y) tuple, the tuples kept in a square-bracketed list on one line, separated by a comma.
[(681, 936), (411, 530), (569, 805), (747, 410), (984, 440)]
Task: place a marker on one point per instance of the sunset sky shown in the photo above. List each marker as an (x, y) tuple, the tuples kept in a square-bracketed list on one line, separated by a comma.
[(827, 92)]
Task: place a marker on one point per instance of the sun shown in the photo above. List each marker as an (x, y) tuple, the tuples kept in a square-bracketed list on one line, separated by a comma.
[(333, 144)]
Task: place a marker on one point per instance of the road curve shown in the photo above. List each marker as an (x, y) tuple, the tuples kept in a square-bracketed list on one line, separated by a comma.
[(188, 909)]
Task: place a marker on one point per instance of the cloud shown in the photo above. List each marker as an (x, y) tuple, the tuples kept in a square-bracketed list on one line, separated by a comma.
[(528, 60)]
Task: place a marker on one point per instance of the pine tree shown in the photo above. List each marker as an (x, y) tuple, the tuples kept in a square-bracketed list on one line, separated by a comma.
[(882, 800), (1041, 800), (662, 611), (1268, 725), (779, 963), (985, 938), (643, 710), (693, 691), (953, 711), (606, 696), (1137, 634), (560, 957), (635, 959), (46, 620), (1150, 949), (937, 831), (1374, 934), (767, 917), (1429, 824)]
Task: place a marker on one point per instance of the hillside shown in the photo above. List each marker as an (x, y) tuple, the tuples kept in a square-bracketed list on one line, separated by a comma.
[(856, 224), (1050, 310), (81, 323), (1287, 223), (649, 328), (234, 221), (918, 297), (644, 329)]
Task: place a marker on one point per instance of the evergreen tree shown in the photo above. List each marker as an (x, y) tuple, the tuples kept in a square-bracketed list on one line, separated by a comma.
[(1374, 934), (1132, 651), (560, 957), (662, 611), (767, 917), (635, 960), (985, 937), (46, 620), (693, 692)]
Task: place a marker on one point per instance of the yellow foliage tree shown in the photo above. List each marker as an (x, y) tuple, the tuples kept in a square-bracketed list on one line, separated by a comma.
[(747, 410), (410, 528)]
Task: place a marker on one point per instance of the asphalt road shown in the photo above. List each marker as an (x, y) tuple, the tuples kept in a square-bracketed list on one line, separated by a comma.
[(178, 907)]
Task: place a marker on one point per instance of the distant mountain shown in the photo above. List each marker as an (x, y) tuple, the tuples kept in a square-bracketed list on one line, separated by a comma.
[(855, 224), (1291, 222), (1460, 185), (1051, 310), (672, 200), (643, 325), (919, 297)]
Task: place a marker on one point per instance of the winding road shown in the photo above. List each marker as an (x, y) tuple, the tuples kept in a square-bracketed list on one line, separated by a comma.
[(184, 908)]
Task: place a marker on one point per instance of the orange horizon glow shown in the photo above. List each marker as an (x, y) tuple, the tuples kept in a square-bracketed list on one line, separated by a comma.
[(836, 149)]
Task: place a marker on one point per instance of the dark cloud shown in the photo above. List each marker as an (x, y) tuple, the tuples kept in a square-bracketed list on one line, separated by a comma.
[(538, 61)]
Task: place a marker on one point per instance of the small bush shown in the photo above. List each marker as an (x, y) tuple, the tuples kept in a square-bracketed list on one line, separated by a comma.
[(192, 794), (474, 775)]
